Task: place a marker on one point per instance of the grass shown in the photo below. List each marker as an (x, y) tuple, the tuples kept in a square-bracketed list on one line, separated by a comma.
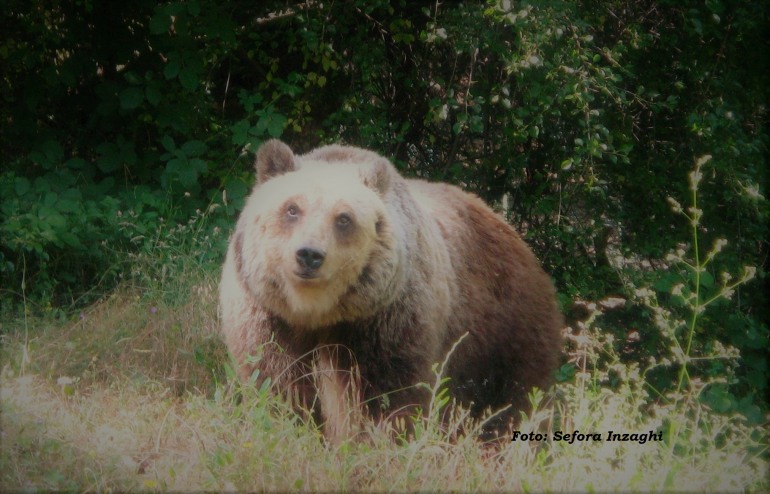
[(135, 396)]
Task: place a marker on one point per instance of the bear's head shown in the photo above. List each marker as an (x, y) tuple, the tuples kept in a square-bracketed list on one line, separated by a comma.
[(316, 243)]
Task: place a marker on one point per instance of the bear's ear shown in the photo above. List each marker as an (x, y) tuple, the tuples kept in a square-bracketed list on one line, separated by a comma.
[(274, 158), (378, 175)]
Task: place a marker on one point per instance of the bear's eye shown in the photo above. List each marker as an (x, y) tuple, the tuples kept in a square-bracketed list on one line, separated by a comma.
[(344, 221), (292, 211)]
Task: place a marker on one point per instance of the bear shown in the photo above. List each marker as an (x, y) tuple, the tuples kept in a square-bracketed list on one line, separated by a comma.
[(344, 283)]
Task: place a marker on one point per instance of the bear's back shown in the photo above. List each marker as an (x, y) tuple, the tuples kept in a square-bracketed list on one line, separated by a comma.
[(506, 302)]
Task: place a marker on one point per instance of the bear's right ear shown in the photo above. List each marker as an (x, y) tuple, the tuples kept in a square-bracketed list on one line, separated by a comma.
[(274, 158)]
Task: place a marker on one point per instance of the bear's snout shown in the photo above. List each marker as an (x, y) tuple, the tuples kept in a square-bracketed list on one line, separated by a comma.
[(309, 259)]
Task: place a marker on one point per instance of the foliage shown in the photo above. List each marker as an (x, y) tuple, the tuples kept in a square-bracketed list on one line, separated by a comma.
[(692, 293), (121, 122)]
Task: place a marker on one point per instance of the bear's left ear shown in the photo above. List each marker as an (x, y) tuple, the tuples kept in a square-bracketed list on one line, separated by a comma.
[(274, 158), (378, 175)]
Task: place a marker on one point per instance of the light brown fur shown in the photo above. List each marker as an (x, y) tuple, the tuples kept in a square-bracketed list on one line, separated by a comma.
[(421, 265)]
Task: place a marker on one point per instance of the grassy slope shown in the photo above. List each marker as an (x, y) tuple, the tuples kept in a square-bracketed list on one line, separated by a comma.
[(132, 395)]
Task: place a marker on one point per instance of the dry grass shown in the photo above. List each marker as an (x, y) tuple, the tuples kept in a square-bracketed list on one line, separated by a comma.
[(128, 338), (134, 398)]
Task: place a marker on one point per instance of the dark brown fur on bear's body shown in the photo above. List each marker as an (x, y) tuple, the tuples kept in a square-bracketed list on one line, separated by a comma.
[(461, 269)]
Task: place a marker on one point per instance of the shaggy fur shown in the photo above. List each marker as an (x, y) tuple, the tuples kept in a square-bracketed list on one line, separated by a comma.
[(344, 283)]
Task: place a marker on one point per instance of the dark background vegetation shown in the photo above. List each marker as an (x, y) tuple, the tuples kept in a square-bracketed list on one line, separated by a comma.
[(120, 119)]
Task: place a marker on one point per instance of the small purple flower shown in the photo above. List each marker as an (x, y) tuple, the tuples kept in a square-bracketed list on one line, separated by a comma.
[(153, 310)]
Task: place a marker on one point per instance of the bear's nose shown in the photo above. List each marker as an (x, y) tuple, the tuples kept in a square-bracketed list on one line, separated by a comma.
[(310, 258)]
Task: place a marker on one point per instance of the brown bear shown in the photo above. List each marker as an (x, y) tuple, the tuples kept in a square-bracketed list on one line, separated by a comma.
[(344, 283)]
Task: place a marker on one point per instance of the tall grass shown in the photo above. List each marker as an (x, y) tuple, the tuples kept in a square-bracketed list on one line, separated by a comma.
[(136, 393)]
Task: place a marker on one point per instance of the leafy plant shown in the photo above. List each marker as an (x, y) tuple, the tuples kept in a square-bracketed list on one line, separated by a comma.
[(708, 363), (122, 121)]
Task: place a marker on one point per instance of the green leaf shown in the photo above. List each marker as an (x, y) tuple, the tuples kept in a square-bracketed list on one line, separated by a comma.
[(70, 239), (667, 281), (240, 132), (67, 206), (153, 94), (109, 159), (236, 192), (276, 124), (160, 22), (193, 8), (188, 175), (50, 199), (173, 66), (131, 98), (475, 124), (706, 279), (194, 148), (21, 186), (697, 25), (76, 164), (199, 165), (168, 143), (132, 78), (52, 218), (718, 398), (188, 78), (53, 150)]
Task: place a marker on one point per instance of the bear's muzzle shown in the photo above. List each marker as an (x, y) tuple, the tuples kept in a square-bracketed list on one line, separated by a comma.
[(309, 260)]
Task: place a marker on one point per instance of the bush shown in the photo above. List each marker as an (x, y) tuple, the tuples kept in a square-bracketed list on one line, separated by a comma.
[(578, 118)]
